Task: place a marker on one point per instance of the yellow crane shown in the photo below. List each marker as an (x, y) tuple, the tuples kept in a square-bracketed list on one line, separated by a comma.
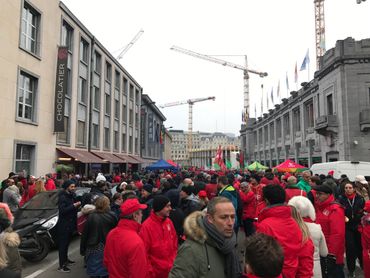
[(190, 116), (245, 69)]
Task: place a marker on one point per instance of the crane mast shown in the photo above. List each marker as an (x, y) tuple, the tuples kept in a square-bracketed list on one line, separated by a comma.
[(319, 30), (190, 116), (245, 70)]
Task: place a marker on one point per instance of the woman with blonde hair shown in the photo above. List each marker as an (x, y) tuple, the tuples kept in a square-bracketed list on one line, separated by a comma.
[(307, 213)]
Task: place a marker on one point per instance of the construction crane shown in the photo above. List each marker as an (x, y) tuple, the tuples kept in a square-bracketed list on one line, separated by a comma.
[(245, 69), (190, 117), (319, 30), (131, 43)]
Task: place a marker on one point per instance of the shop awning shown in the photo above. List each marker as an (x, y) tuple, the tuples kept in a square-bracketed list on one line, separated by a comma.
[(109, 157), (126, 158), (137, 158), (81, 155)]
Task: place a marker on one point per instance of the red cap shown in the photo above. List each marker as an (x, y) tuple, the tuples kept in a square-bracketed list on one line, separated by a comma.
[(331, 173), (202, 193), (130, 206)]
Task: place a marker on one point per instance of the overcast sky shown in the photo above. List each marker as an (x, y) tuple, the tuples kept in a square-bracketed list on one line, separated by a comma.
[(274, 34)]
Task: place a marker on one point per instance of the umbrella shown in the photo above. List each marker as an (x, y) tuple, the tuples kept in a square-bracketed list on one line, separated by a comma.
[(255, 166), (289, 166)]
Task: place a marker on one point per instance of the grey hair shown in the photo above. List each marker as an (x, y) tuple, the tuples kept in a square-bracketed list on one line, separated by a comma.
[(211, 207)]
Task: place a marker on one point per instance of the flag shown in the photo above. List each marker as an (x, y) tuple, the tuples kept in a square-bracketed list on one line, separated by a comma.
[(243, 116), (306, 61), (255, 111), (296, 73), (267, 101), (219, 159), (241, 159), (161, 135), (278, 90), (262, 100), (228, 164), (272, 95), (287, 81)]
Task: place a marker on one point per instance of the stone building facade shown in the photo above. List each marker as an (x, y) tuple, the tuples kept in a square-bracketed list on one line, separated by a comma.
[(99, 109), (328, 119)]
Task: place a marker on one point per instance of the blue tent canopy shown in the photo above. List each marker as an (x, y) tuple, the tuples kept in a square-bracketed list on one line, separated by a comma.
[(161, 165)]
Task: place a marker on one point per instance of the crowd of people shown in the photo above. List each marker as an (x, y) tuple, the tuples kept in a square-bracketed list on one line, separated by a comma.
[(186, 224)]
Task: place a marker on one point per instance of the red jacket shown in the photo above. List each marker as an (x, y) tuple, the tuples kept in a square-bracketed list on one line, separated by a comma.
[(291, 192), (364, 229), (305, 260), (267, 181), (249, 204), (160, 240), (124, 252), (330, 216), (260, 203), (50, 185), (277, 221)]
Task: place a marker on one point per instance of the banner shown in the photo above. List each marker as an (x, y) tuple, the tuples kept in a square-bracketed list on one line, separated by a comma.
[(61, 84)]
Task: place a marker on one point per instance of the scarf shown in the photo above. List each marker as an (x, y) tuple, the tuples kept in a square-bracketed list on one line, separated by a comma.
[(308, 220), (350, 197), (322, 205), (227, 246)]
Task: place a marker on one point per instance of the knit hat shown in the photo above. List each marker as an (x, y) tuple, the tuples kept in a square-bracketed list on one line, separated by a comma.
[(130, 206), (148, 187), (67, 183), (323, 188), (202, 194), (100, 177), (159, 202)]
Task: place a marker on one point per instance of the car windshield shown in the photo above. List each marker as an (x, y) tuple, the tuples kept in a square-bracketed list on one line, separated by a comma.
[(43, 200)]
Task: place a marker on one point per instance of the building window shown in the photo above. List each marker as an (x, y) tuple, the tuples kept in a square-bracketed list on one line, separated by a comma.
[(278, 128), (137, 97), (272, 132), (286, 124), (30, 29), (27, 90), (82, 90), (115, 140), (329, 104), (124, 144), (96, 98), (131, 112), (106, 138), (67, 36), (125, 86), (108, 72), (24, 158), (97, 63), (124, 113), (81, 133), (309, 117), (107, 104), (296, 119), (95, 134), (84, 51), (131, 91)]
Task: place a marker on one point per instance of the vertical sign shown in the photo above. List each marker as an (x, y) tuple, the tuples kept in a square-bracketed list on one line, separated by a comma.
[(60, 89)]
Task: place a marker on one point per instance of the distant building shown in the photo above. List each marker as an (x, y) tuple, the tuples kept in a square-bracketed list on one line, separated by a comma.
[(204, 147), (90, 123), (328, 119)]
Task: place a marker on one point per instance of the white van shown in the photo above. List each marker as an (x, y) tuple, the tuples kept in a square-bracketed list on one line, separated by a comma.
[(350, 168)]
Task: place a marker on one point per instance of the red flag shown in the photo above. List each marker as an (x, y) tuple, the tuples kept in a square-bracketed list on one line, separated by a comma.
[(219, 159)]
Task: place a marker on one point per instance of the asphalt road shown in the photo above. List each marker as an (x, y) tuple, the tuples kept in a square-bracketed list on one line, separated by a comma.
[(48, 267)]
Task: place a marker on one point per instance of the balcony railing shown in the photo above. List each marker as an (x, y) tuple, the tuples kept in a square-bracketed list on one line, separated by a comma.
[(327, 123)]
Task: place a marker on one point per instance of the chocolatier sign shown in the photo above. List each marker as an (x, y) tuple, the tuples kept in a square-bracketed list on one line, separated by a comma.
[(60, 89)]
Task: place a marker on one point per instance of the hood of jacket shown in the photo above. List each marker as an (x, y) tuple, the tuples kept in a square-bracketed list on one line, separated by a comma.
[(193, 227), (88, 209), (10, 239)]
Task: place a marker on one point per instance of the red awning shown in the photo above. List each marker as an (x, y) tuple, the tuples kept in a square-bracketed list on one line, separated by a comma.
[(81, 155), (126, 158), (109, 157)]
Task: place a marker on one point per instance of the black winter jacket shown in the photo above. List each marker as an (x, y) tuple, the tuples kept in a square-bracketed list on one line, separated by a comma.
[(67, 221), (353, 213)]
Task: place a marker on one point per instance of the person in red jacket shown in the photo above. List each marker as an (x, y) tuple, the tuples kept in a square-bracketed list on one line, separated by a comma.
[(249, 208), (257, 190), (330, 215), (270, 178), (124, 252), (49, 184), (276, 220), (160, 238), (364, 229), (292, 189)]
